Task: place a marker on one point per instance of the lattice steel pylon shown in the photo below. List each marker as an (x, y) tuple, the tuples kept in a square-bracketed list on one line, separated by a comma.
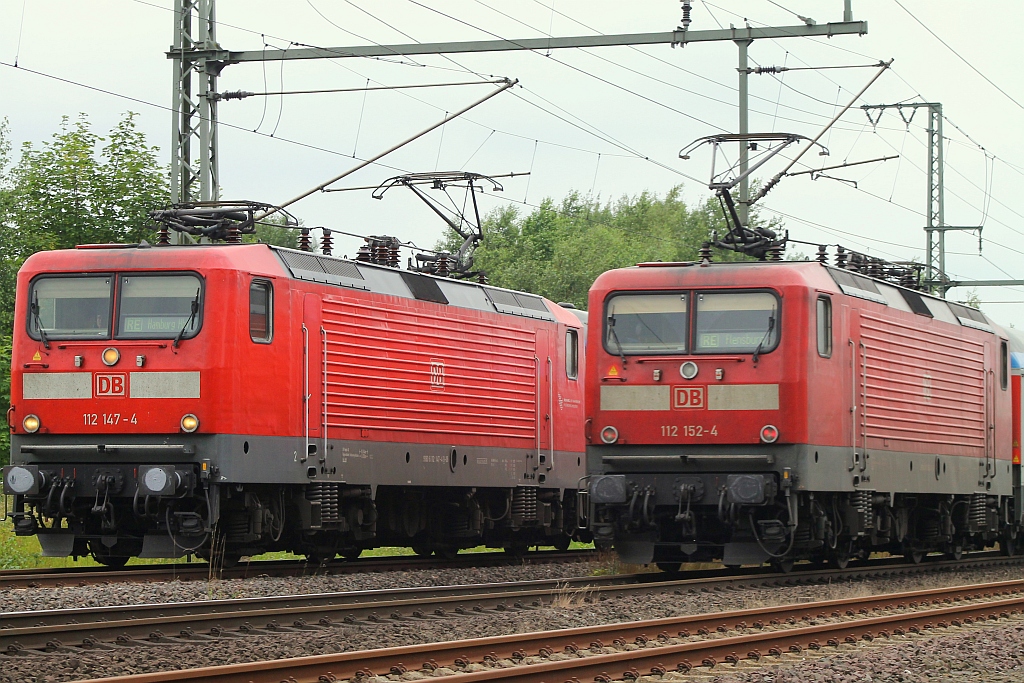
[(194, 120), (935, 249), (935, 228)]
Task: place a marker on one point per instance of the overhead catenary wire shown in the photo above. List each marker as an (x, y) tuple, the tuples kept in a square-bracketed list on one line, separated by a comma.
[(242, 94), (164, 107), (958, 55), (775, 179), (364, 164), (570, 66), (542, 142)]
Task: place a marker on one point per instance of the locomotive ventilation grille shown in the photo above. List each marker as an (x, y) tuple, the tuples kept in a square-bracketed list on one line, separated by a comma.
[(318, 264)]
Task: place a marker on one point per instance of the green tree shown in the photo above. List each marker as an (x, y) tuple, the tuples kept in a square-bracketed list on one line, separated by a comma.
[(558, 250), (275, 233), (71, 190)]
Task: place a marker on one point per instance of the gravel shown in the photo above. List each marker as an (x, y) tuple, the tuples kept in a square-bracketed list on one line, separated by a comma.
[(101, 595), (988, 656), (993, 653)]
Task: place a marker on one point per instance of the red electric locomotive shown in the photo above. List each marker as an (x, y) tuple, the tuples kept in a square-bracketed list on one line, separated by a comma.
[(759, 411), (173, 399)]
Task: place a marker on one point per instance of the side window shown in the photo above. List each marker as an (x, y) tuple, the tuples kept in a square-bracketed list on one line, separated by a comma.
[(261, 308), (1004, 362), (572, 354), (824, 327)]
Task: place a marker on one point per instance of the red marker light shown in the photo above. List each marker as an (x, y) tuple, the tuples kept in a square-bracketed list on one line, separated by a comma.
[(769, 433), (609, 434)]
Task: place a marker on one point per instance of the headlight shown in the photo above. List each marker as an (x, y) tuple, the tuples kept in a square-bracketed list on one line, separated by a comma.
[(609, 434), (688, 369), (30, 424), (769, 433), (20, 479), (189, 423), (111, 356)]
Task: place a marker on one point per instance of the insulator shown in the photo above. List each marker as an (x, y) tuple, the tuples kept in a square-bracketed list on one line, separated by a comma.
[(364, 254), (163, 236), (822, 254), (705, 252), (840, 257), (381, 253), (443, 265), (326, 243), (393, 255), (304, 243), (766, 70), (686, 15), (481, 278)]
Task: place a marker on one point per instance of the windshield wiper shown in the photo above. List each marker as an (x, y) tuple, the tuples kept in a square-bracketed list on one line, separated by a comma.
[(39, 323), (191, 318), (618, 345), (767, 334)]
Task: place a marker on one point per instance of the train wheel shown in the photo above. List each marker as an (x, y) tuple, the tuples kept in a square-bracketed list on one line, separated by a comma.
[(956, 551), (423, 550), (840, 557), (106, 556), (561, 542), (446, 552), (1008, 545), (782, 564), (351, 553), (518, 548), (913, 555), (669, 567)]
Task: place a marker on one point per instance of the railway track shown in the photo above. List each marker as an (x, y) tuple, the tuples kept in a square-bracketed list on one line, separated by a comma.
[(201, 571), (64, 630), (628, 651)]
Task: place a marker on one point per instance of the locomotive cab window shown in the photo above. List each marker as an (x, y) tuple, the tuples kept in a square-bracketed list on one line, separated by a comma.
[(572, 354), (70, 307), (261, 307), (159, 306), (736, 322), (646, 323), (824, 317)]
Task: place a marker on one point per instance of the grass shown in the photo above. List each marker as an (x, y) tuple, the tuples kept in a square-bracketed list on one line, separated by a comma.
[(23, 552)]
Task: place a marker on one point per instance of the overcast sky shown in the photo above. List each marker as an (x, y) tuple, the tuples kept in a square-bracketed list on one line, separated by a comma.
[(606, 121)]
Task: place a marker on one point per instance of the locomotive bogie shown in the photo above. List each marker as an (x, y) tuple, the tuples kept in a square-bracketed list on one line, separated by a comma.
[(311, 404), (840, 417)]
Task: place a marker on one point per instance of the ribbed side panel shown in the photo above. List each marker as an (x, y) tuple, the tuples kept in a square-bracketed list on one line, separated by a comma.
[(922, 386), (399, 369)]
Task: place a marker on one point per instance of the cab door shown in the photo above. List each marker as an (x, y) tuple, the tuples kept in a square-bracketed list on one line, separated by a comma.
[(314, 351), (857, 364)]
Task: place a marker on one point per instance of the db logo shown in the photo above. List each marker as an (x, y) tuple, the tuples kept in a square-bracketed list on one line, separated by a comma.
[(111, 384), (687, 397), (436, 374)]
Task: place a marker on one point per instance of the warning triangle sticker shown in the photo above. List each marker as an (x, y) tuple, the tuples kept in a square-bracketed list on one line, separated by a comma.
[(37, 356), (613, 371)]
